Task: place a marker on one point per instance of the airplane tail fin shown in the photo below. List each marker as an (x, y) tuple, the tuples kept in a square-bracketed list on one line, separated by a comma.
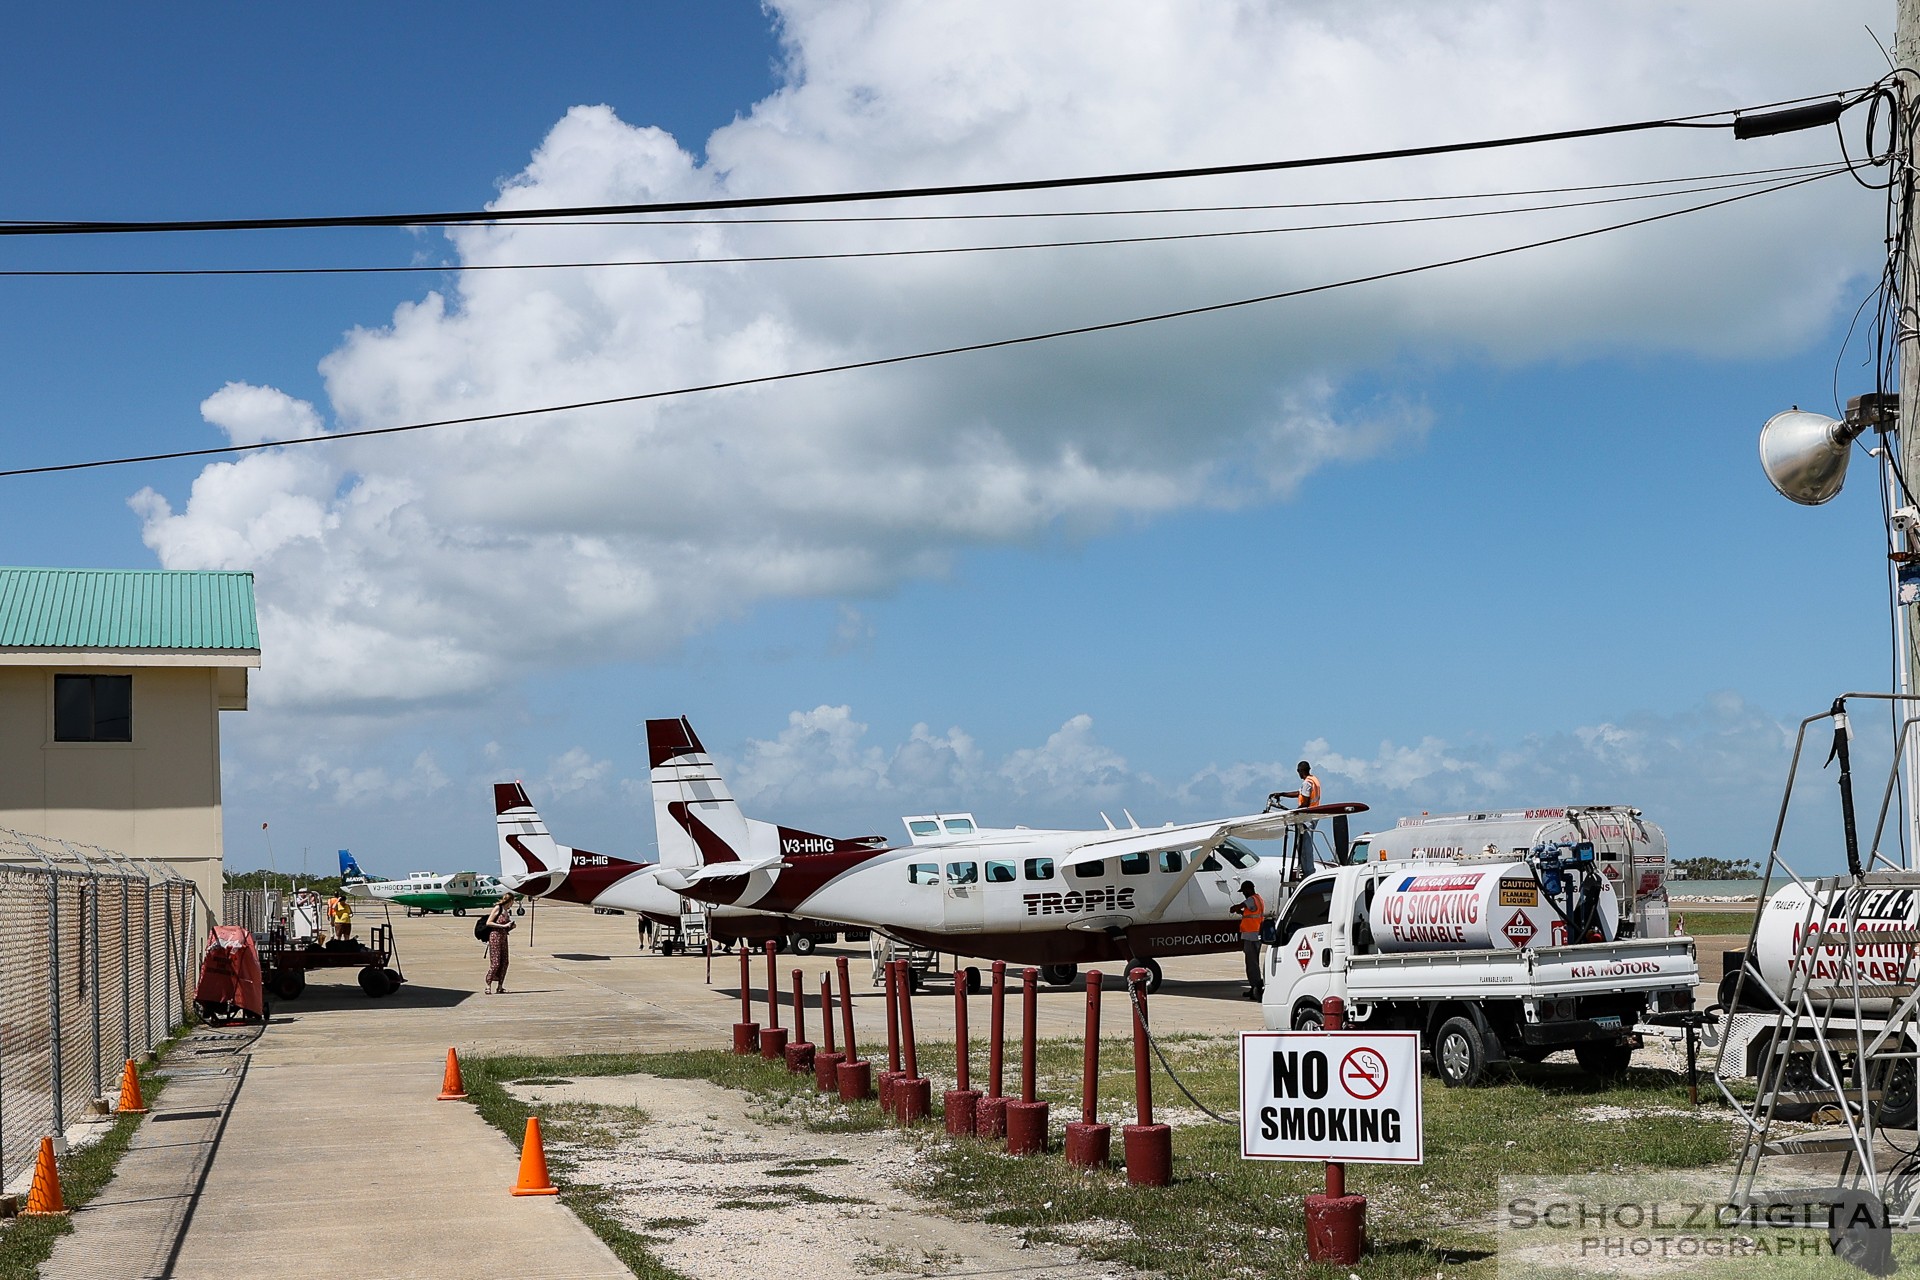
[(530, 862), (349, 869), (696, 819)]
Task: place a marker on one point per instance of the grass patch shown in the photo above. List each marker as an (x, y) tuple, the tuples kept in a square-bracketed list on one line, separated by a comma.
[(1715, 923), (25, 1243), (1223, 1216)]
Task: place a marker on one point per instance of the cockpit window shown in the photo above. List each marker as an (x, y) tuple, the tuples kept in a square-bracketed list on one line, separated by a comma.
[(1238, 857), (959, 827), (924, 827)]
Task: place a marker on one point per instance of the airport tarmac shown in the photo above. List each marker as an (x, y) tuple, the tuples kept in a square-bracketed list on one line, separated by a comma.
[(333, 1150)]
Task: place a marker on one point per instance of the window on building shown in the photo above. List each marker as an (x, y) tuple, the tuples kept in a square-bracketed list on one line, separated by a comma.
[(1000, 873), (1039, 868), (92, 708)]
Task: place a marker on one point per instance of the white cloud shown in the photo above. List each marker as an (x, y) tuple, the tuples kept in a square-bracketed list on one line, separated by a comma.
[(440, 565)]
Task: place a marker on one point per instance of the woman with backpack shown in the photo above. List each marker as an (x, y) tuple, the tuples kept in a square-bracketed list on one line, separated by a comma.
[(498, 924)]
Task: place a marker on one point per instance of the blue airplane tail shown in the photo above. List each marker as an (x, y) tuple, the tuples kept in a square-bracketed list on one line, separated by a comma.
[(349, 869)]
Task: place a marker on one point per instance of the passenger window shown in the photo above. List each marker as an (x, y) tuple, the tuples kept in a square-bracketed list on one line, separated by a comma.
[(959, 827), (1000, 873), (1090, 870), (1171, 860), (963, 872), (924, 828), (1039, 868), (1135, 864), (923, 873)]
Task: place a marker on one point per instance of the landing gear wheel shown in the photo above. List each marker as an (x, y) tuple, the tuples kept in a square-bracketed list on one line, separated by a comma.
[(971, 976), (458, 912), (1307, 1017), (287, 983), (1059, 975), (393, 980), (915, 979), (374, 982), (802, 945), (1604, 1061), (1459, 1054), (1153, 973), (668, 948)]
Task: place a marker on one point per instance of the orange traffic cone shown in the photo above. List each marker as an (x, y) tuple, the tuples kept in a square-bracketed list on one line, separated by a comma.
[(131, 1103), (533, 1164), (451, 1090), (45, 1200)]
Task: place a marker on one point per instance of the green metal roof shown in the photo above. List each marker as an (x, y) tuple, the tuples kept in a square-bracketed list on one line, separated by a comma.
[(126, 609)]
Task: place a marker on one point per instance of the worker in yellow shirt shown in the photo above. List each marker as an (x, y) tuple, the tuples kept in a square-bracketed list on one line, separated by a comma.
[(1252, 910), (340, 911)]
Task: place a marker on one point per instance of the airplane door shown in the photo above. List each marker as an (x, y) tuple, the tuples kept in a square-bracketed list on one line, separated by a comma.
[(964, 901)]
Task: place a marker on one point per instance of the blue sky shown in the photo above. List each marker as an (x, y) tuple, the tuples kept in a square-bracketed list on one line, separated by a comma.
[(1498, 537)]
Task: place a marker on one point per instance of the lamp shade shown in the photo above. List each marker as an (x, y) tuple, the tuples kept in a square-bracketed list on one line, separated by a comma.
[(1805, 454)]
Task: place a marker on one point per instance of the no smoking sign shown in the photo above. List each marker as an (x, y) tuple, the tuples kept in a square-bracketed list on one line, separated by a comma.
[(1331, 1095)]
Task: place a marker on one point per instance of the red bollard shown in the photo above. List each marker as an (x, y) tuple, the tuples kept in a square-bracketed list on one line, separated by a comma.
[(799, 1052), (1027, 1118), (826, 1060), (892, 1072), (746, 1032), (1089, 1142), (1336, 1221), (1149, 1146), (854, 1077), (912, 1093), (773, 1039), (961, 1102), (990, 1117)]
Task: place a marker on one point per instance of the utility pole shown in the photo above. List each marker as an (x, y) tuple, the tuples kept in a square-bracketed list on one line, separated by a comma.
[(1906, 54)]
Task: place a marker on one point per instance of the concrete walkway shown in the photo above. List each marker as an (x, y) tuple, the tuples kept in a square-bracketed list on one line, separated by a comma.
[(321, 1138)]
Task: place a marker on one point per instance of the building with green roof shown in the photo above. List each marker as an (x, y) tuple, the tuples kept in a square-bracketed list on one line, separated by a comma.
[(111, 687)]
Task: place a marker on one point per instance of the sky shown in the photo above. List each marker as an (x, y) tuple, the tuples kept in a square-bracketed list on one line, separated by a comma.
[(1483, 536)]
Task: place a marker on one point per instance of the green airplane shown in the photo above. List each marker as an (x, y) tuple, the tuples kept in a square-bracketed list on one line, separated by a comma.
[(423, 891)]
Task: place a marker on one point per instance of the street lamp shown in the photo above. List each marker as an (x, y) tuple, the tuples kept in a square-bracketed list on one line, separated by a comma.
[(1805, 454)]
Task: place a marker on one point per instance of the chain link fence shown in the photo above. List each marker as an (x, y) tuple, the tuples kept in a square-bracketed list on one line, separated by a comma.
[(97, 958)]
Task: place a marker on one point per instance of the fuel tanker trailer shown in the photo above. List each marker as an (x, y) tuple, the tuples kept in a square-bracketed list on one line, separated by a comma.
[(1490, 959), (1842, 952)]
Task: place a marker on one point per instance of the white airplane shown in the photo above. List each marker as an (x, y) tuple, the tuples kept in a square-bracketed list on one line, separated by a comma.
[(533, 864), (423, 891), (1057, 899)]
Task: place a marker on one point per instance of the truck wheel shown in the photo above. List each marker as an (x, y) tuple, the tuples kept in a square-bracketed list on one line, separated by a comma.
[(1307, 1016), (1459, 1054), (802, 944), (1897, 1097), (1604, 1061), (1059, 975)]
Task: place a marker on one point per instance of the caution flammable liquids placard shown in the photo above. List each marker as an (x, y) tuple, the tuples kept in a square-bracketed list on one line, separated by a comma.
[(1331, 1095)]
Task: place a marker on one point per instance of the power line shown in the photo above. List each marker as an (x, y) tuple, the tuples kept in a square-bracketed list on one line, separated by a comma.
[(740, 259), (912, 357), (1733, 120)]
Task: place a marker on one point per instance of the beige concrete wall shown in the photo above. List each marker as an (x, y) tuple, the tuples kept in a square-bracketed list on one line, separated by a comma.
[(157, 797)]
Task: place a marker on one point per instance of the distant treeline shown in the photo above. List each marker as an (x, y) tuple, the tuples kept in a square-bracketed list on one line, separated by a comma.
[(1717, 868), (254, 881)]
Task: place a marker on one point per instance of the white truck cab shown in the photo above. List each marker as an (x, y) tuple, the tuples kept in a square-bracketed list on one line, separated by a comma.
[(1465, 952)]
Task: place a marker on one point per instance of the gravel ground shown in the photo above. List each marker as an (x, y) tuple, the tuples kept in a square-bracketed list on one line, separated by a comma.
[(713, 1184)]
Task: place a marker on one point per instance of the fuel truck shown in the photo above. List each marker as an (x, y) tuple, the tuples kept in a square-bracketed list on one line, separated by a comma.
[(1490, 958)]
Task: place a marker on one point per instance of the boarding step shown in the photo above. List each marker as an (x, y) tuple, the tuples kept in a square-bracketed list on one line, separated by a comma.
[(1838, 1138), (1865, 991), (1817, 1097)]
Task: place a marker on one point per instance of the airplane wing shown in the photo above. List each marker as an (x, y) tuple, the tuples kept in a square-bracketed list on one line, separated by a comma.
[(1254, 826)]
